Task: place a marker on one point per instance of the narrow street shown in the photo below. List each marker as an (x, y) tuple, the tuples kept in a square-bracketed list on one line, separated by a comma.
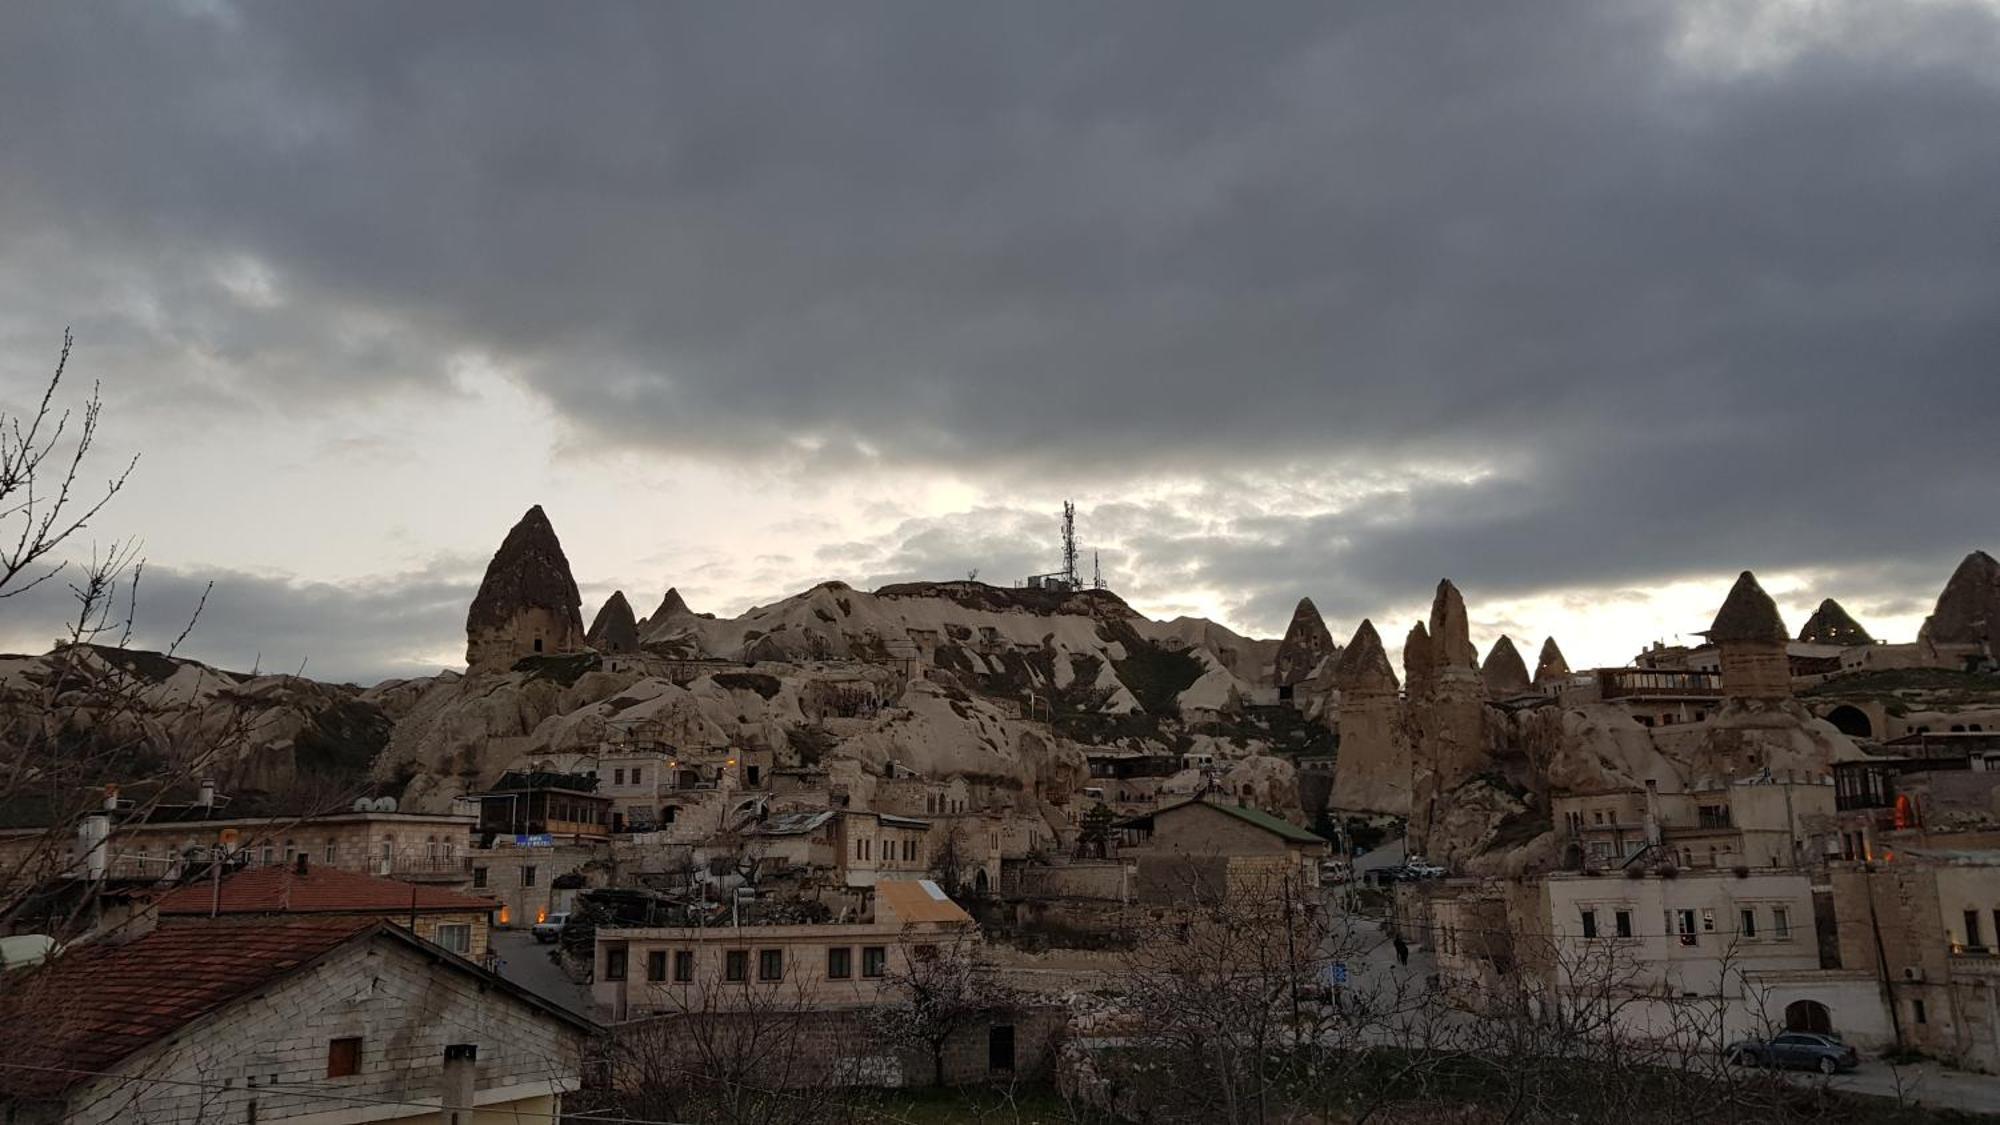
[(526, 963)]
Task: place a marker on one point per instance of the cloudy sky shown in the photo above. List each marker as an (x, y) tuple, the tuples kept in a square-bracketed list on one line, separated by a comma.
[(1587, 306)]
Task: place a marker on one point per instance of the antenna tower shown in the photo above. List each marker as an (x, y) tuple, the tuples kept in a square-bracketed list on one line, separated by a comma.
[(1096, 572), (1069, 546)]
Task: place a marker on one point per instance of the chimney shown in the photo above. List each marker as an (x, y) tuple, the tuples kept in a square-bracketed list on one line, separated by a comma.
[(94, 840), (206, 796), (110, 798), (1652, 811), (299, 865), (461, 1071)]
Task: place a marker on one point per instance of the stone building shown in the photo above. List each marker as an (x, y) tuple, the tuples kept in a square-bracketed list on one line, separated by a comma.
[(654, 970), (321, 1020), (444, 918), (527, 604), (1202, 848)]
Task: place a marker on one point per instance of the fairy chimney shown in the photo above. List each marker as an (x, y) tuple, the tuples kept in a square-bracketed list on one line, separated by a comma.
[(1373, 772), (614, 630), (1307, 642), (1832, 625), (1751, 638), (1505, 673), (527, 604), (1551, 669), (1966, 622)]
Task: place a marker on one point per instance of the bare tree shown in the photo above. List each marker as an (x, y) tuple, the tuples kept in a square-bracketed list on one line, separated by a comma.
[(938, 990)]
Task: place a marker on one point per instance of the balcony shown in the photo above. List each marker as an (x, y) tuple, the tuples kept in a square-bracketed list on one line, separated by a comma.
[(427, 869), (1647, 683)]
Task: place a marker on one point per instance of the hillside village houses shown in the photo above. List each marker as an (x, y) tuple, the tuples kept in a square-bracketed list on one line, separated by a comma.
[(1739, 839)]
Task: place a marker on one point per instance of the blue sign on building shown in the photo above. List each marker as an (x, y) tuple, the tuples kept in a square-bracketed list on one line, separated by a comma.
[(539, 841)]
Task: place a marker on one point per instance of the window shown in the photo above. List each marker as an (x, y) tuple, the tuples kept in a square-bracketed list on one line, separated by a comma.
[(1590, 923), (1707, 921), (1622, 923), (614, 964), (1684, 926), (528, 875), (874, 960), (770, 964), (1917, 1011), (736, 966), (638, 776), (617, 777), (683, 966), (910, 850), (754, 772), (1749, 924), (455, 936), (1781, 923), (343, 1057), (1972, 930), (479, 876), (329, 853), (269, 853), (839, 962), (656, 965)]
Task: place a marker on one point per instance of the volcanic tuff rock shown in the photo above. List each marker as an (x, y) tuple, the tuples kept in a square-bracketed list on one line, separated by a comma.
[(1373, 770), (1451, 635), (613, 630), (1504, 671), (1419, 667), (527, 603), (1551, 668), (1831, 625), (1307, 642), (1968, 609), (1748, 616)]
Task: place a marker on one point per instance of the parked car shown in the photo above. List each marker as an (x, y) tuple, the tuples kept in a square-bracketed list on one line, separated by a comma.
[(550, 928), (1417, 867), (1335, 871), (1795, 1050)]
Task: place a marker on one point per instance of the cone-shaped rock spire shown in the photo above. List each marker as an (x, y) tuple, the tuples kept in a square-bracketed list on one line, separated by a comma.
[(1363, 664), (614, 630), (1306, 643), (1748, 616), (527, 602), (1832, 625), (671, 607), (1451, 636), (1551, 668), (1504, 671), (1968, 609), (1419, 667)]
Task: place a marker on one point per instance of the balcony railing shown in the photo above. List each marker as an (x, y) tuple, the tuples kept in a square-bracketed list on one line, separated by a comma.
[(426, 869)]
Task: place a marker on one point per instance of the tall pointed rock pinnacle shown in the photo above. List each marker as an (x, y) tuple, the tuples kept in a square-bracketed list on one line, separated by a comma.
[(528, 602), (671, 607), (614, 630), (1551, 668), (1968, 609), (1504, 671), (1307, 642), (1832, 625), (1451, 635), (1419, 664), (1748, 616), (1363, 665)]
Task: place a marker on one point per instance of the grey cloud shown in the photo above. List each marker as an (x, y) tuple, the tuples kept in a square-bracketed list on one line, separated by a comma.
[(357, 632), (1691, 318)]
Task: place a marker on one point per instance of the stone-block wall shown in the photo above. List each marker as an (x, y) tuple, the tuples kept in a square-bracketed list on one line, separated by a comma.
[(272, 1048)]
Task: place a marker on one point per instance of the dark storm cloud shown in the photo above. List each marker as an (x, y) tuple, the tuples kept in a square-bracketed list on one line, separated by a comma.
[(1693, 317), (358, 632)]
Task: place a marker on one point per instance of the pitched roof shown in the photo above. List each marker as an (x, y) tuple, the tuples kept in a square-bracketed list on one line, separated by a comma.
[(82, 1013), (918, 900), (1748, 614), (321, 890), (98, 1004), (1256, 817)]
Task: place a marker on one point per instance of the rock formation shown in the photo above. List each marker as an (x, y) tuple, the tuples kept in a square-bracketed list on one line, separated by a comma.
[(1831, 625), (1551, 669), (1751, 638), (1372, 773), (527, 603), (1307, 642), (613, 630), (1449, 745), (1418, 672), (1967, 616), (1504, 672)]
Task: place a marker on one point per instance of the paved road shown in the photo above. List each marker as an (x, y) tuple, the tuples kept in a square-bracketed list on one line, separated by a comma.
[(1925, 1084), (527, 963)]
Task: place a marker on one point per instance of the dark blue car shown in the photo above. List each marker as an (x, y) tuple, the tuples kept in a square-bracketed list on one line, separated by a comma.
[(1795, 1050)]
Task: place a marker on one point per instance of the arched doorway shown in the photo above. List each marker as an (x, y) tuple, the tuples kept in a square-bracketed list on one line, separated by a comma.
[(979, 882), (1851, 721), (1808, 1015)]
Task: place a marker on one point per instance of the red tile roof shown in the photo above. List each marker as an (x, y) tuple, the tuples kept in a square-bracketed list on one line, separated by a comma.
[(321, 890), (95, 1005)]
